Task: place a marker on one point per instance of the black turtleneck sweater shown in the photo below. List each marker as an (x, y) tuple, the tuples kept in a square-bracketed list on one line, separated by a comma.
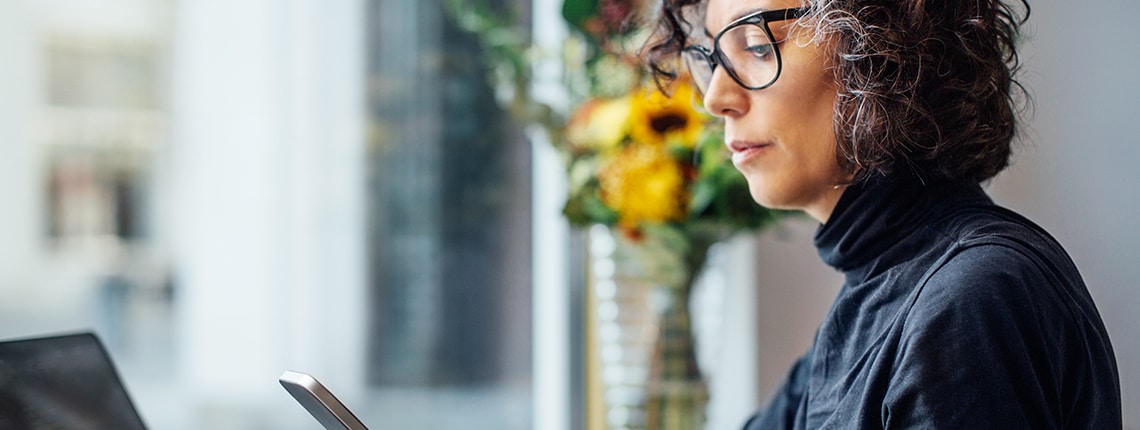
[(954, 314)]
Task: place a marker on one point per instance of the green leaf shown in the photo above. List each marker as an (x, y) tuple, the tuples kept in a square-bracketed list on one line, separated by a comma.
[(577, 12), (703, 195), (599, 212)]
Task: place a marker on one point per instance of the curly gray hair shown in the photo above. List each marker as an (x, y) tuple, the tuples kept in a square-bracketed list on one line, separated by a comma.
[(925, 86)]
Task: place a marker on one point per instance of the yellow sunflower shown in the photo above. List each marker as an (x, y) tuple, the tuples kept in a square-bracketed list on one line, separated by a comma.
[(660, 119), (643, 183), (599, 124)]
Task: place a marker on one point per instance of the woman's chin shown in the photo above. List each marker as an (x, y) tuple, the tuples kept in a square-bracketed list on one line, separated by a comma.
[(763, 196)]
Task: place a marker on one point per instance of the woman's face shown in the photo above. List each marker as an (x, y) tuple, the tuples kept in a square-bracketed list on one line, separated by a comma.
[(781, 136)]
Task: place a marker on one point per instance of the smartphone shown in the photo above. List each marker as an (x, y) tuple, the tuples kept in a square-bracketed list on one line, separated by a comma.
[(320, 402)]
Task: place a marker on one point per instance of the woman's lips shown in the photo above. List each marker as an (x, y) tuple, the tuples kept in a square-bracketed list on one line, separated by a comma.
[(743, 151)]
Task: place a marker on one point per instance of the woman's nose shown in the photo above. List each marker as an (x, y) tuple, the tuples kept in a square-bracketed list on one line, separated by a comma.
[(723, 97)]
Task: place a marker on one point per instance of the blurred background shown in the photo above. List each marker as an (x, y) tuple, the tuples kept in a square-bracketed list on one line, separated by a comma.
[(223, 190)]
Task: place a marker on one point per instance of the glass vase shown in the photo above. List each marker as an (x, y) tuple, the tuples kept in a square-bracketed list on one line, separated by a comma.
[(648, 352)]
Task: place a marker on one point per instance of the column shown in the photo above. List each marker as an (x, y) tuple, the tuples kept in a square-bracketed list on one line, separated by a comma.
[(266, 183)]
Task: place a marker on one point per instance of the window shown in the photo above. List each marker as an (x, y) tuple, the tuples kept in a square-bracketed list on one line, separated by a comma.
[(326, 187), (448, 223)]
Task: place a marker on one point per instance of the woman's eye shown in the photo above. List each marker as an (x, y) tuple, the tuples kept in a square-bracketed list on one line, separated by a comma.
[(760, 50)]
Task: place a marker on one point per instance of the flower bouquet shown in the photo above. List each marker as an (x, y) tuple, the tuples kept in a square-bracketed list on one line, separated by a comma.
[(645, 162), (643, 159), (648, 163)]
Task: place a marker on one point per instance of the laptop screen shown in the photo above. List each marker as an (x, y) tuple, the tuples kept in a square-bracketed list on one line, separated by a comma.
[(62, 382)]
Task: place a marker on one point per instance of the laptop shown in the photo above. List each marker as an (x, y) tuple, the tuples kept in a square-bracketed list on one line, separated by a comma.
[(68, 381), (62, 382)]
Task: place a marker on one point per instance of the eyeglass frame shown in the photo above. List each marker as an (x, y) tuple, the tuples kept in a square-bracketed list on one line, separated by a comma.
[(717, 57)]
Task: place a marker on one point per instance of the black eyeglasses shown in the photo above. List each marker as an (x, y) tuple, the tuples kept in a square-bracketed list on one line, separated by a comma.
[(746, 49)]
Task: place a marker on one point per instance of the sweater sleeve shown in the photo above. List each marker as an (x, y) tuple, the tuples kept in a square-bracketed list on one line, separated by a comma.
[(975, 351)]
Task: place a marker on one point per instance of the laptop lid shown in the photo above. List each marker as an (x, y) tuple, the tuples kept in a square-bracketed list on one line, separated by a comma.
[(62, 382)]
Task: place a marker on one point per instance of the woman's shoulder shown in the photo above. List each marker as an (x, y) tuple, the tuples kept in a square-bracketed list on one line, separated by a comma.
[(1001, 265), (988, 235)]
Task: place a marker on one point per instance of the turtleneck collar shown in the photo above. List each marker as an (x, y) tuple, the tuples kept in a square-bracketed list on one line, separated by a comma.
[(876, 213)]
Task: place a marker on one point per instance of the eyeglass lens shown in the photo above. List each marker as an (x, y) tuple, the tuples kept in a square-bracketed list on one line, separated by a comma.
[(749, 55)]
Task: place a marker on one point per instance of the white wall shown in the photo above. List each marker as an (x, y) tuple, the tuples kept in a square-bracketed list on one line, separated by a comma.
[(20, 222), (134, 19), (1077, 176)]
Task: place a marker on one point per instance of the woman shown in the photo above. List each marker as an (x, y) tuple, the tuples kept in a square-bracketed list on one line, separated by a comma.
[(880, 118)]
